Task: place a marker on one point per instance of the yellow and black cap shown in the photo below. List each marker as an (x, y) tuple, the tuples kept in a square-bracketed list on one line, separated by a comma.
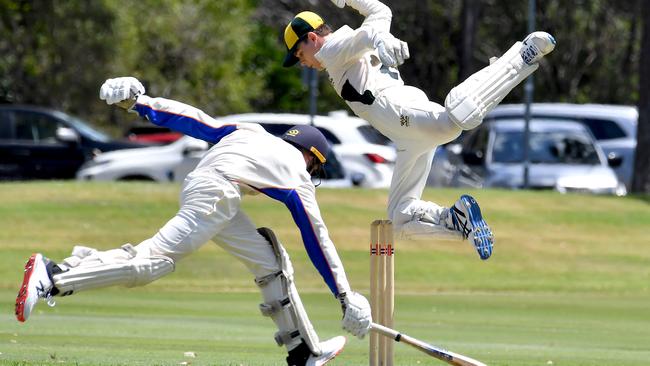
[(296, 31), (309, 138)]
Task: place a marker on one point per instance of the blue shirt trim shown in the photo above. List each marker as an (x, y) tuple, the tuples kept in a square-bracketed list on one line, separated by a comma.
[(309, 238), (184, 124)]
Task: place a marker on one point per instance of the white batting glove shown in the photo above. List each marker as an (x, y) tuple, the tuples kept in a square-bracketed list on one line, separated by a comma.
[(123, 89), (392, 51), (339, 3), (357, 317)]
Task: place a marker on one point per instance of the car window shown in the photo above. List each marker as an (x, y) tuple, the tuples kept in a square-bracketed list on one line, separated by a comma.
[(86, 130), (477, 141), (373, 136), (333, 168), (556, 147), (603, 129), (35, 127), (6, 132)]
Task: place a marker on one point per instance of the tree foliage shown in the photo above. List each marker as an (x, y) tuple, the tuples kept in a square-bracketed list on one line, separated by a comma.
[(189, 50), (54, 52)]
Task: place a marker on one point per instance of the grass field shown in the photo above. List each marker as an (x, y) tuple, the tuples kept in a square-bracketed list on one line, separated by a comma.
[(568, 284)]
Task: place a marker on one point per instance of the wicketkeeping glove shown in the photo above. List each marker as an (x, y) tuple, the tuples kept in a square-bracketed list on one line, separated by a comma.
[(392, 51), (121, 91), (356, 314)]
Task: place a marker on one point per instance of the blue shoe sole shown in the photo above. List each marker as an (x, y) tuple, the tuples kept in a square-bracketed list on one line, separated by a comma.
[(483, 238)]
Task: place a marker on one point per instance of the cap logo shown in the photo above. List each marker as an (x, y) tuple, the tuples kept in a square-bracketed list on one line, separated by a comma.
[(293, 132)]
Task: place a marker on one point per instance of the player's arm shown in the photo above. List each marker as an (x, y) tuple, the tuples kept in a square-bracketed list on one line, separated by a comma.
[(182, 117), (301, 202), (377, 15), (374, 33), (128, 93), (320, 248)]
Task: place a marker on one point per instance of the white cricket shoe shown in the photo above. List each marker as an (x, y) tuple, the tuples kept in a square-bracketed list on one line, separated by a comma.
[(465, 217), (330, 349), (535, 46), (36, 285)]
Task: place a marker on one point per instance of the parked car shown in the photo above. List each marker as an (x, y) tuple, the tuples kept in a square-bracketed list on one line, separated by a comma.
[(41, 143), (171, 163), (154, 163), (152, 135), (367, 157), (613, 126), (563, 156)]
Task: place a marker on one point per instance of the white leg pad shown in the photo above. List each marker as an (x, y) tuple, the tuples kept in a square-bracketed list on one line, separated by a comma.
[(283, 304), (95, 269), (469, 102)]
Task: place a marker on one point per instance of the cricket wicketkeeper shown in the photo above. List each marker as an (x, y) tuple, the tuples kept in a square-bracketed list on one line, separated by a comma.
[(362, 67), (244, 160)]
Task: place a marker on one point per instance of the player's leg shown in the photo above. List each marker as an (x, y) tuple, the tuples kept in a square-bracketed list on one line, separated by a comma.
[(269, 262), (415, 219), (469, 102), (412, 167), (87, 268), (207, 203), (406, 116)]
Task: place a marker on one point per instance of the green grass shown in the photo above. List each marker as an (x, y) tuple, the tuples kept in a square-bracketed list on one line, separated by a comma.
[(568, 284)]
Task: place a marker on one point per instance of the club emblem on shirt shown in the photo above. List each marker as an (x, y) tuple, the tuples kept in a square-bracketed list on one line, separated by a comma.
[(404, 121)]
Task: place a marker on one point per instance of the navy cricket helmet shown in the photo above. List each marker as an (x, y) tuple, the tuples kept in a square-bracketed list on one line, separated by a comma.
[(309, 138)]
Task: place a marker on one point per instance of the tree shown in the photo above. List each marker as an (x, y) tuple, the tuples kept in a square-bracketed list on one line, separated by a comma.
[(469, 24), (189, 50), (54, 53), (641, 179)]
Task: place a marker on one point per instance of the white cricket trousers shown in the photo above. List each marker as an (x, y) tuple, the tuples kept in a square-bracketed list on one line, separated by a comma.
[(417, 126), (210, 210)]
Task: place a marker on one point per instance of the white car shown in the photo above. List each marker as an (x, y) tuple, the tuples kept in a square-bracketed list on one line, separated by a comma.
[(367, 157), (563, 156), (156, 163), (353, 163), (613, 126)]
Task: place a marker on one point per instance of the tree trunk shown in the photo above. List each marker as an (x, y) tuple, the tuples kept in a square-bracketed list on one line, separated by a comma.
[(469, 24), (641, 180)]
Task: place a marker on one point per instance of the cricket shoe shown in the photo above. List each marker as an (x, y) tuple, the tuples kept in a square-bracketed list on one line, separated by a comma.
[(535, 46), (465, 217), (37, 284), (302, 356), (330, 349)]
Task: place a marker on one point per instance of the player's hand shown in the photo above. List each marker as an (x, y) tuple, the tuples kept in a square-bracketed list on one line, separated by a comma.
[(121, 91), (339, 3), (392, 51), (356, 314)]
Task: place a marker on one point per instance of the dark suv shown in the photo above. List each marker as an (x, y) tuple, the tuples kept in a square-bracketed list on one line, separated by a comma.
[(40, 143)]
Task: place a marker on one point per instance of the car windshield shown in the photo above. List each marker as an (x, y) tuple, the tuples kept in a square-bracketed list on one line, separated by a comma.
[(373, 136), (87, 131), (551, 147)]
